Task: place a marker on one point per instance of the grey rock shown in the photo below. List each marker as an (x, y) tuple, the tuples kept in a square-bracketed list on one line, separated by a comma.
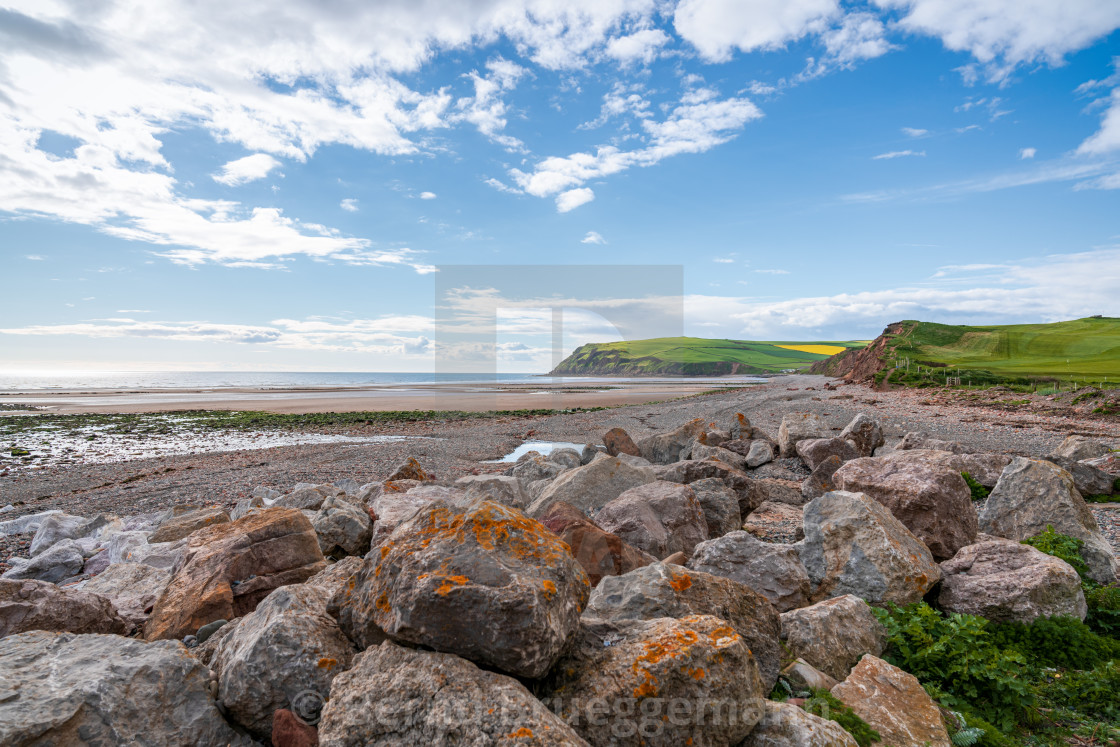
[(703, 451), (773, 521), (1006, 581), (798, 426), (930, 498), (25, 524), (672, 446), (566, 458), (308, 497), (178, 527), (244, 506), (106, 690), (893, 703), (61, 561), (659, 517), (342, 528), (287, 647), (392, 508), (803, 676), (588, 453), (854, 545), (820, 481), (740, 428), (399, 696), (774, 490), (694, 660), (720, 506), (336, 576), (759, 454), (57, 527), (1080, 447), (349, 486), (533, 467), (833, 635), (661, 590), (133, 588), (1088, 479), (689, 471), (591, 486), (502, 489), (865, 433), (209, 629), (1033, 494), (787, 725), (484, 582), (772, 570), (40, 605), (813, 451), (922, 440)]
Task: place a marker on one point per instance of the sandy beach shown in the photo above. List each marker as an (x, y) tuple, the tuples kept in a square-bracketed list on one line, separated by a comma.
[(473, 397)]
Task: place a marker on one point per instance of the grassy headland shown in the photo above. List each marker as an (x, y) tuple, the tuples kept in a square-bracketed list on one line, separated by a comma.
[(694, 356)]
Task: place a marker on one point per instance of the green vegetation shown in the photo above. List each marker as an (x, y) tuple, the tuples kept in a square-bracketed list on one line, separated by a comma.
[(1060, 546), (692, 356), (826, 705), (1103, 601), (979, 492), (914, 353)]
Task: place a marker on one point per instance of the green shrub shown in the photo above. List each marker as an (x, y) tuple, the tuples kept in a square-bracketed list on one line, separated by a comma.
[(979, 492), (1095, 693), (956, 656), (826, 705), (1104, 609), (1060, 546), (1056, 642)]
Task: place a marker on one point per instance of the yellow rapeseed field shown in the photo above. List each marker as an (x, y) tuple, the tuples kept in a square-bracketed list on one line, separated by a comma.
[(819, 349)]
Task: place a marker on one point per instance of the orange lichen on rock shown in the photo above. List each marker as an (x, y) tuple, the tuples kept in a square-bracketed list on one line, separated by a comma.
[(449, 583), (327, 663), (679, 582), (671, 646), (522, 732), (382, 603), (549, 588)]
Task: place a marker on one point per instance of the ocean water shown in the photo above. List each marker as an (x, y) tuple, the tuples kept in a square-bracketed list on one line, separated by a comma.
[(124, 380)]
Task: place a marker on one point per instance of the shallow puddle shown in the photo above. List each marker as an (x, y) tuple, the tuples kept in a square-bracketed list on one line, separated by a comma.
[(541, 447)]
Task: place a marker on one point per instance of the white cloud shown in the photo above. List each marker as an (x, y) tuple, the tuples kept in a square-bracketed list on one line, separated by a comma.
[(501, 186), (593, 237), (698, 123), (1025, 153), (1003, 34), (641, 46), (245, 170), (898, 154), (915, 132), (573, 198), (35, 257), (773, 272), (718, 27), (724, 260), (861, 36), (350, 204), (427, 195), (486, 110), (1107, 138)]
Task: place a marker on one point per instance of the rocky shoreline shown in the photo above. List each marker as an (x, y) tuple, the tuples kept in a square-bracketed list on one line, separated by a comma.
[(651, 588)]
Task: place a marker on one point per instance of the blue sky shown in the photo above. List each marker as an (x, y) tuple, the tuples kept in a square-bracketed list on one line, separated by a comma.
[(191, 185)]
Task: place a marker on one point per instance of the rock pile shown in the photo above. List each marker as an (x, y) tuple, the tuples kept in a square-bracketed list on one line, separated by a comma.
[(649, 594)]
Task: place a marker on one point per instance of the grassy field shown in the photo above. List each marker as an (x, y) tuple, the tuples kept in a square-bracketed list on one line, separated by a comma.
[(695, 356), (1082, 350)]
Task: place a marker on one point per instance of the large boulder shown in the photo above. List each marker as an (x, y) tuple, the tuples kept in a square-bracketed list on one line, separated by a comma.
[(410, 470), (599, 552), (772, 570), (287, 647), (342, 528), (60, 561), (659, 517), (228, 568), (1081, 447), (759, 454), (177, 527), (820, 480), (854, 545), (39, 605), (656, 682), (25, 524), (133, 588), (618, 441), (1007, 581), (864, 433), (1088, 479), (720, 506), (309, 498), (787, 725), (925, 442), (834, 634), (1033, 494), (776, 522), (504, 489), (57, 527), (63, 689), (400, 696), (691, 470), (798, 426), (591, 486), (661, 590), (391, 508), (931, 499), (484, 582), (813, 451), (672, 446), (894, 704), (707, 451)]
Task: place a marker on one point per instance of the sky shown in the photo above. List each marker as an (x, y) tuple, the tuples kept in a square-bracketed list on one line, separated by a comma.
[(202, 185)]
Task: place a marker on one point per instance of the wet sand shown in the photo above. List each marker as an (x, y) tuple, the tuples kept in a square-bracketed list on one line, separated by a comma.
[(469, 397)]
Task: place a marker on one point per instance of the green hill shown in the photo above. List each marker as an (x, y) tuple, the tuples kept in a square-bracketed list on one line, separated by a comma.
[(1083, 350), (691, 356)]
